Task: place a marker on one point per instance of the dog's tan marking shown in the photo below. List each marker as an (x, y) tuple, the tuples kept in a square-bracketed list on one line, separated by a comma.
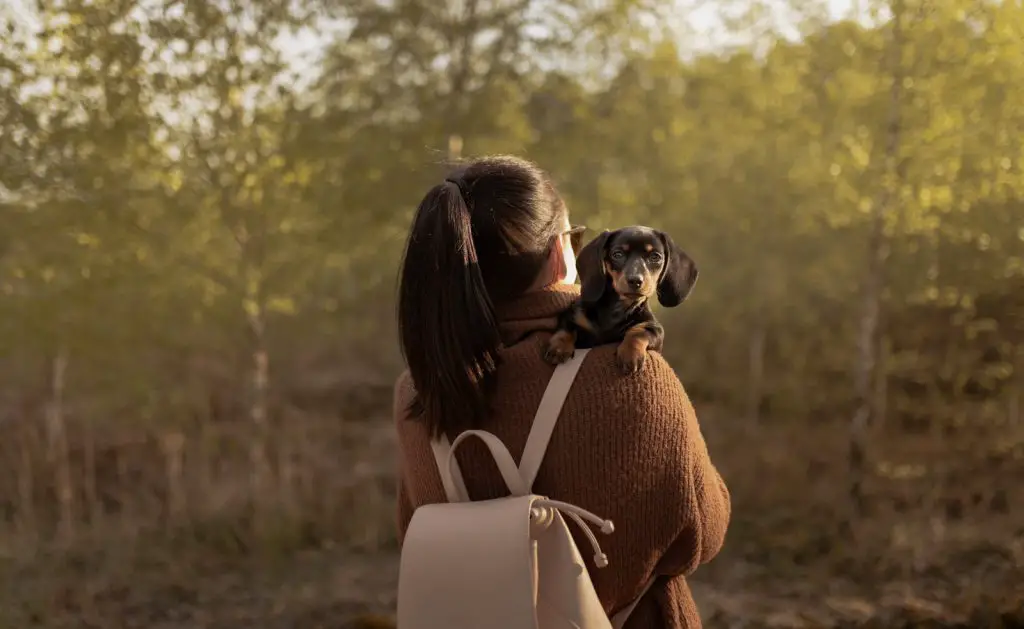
[(561, 347), (632, 302), (649, 248), (632, 351), (618, 282), (580, 319)]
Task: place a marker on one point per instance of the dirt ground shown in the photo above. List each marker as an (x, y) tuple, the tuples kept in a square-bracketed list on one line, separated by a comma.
[(345, 590), (784, 566)]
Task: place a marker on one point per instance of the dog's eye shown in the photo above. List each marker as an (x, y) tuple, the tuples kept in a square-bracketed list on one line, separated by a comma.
[(655, 257), (617, 255)]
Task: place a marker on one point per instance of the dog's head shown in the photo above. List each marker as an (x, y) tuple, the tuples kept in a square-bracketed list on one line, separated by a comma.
[(635, 262)]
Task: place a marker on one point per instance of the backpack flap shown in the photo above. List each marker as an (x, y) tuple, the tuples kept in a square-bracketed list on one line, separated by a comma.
[(468, 565)]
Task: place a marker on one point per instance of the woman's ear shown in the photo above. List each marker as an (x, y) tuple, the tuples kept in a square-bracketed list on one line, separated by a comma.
[(590, 265), (678, 276), (563, 262)]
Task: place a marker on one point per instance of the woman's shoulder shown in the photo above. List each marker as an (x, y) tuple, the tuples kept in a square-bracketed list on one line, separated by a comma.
[(601, 368), (403, 383), (600, 387), (403, 392), (631, 418), (653, 389)]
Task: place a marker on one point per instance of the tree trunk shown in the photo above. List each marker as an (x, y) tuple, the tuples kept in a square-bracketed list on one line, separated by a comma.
[(58, 454), (26, 485), (123, 486), (461, 68), (172, 445), (258, 415), (92, 500), (288, 489), (755, 382), (454, 148), (1013, 410), (880, 403), (878, 252)]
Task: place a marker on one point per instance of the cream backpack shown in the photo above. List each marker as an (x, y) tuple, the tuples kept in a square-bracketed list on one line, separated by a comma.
[(508, 563)]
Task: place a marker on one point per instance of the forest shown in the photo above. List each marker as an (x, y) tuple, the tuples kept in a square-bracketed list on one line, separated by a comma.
[(204, 203)]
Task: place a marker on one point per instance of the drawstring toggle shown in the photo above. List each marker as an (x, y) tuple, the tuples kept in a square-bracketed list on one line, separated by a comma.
[(541, 514)]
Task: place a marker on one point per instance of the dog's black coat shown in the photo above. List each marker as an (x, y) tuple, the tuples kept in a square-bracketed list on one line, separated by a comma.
[(619, 271)]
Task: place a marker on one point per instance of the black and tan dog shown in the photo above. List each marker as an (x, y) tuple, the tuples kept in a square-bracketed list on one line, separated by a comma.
[(619, 272)]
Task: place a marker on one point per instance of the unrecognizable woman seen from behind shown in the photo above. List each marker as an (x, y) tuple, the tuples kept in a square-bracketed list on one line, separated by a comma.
[(489, 264)]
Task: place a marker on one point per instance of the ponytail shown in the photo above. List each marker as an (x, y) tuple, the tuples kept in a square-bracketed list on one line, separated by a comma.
[(448, 329)]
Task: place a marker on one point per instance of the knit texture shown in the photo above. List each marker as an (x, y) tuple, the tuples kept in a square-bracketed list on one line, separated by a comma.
[(627, 448)]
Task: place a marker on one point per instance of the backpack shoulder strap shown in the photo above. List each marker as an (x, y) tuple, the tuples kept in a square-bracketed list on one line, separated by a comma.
[(451, 477), (537, 441), (547, 414)]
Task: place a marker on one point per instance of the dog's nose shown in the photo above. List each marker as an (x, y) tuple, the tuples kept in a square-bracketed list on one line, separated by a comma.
[(635, 282)]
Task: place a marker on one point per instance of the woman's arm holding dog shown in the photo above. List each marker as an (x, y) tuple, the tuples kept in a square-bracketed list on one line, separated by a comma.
[(705, 506)]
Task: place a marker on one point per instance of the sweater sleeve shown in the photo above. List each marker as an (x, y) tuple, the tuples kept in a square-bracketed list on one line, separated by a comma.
[(704, 499), (415, 457), (630, 449), (403, 506)]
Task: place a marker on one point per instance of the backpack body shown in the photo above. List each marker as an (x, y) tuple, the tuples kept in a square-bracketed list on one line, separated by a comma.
[(507, 563)]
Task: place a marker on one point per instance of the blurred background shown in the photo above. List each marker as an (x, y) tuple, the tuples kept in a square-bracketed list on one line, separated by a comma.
[(204, 203)]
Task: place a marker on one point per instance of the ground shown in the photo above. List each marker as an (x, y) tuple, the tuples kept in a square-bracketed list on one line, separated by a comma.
[(787, 564), (333, 589)]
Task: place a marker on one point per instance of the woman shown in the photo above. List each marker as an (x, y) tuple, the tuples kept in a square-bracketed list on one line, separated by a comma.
[(489, 264)]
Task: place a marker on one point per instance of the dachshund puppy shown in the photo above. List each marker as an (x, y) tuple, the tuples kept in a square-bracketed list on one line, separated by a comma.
[(619, 272)]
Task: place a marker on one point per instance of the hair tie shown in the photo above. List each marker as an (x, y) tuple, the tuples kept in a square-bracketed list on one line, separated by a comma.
[(462, 191)]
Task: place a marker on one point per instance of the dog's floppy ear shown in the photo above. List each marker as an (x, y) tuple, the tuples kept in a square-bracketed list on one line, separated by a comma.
[(678, 276), (590, 267)]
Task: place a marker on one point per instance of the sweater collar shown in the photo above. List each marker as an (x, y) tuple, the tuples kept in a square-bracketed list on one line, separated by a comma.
[(534, 311)]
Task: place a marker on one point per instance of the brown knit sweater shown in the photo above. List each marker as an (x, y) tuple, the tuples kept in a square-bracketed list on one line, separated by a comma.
[(627, 448)]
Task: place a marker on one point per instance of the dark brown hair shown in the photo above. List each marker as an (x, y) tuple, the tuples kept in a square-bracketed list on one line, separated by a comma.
[(480, 237)]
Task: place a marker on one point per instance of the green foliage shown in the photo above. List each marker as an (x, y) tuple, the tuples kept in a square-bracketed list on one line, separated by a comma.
[(178, 193), (206, 224)]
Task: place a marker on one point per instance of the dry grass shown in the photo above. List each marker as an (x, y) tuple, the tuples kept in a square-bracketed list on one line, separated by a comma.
[(317, 551)]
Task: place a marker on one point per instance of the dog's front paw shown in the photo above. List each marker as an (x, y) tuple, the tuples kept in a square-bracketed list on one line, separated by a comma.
[(561, 347), (630, 357)]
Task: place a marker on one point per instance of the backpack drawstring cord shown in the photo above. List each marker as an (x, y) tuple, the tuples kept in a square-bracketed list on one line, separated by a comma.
[(578, 515)]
